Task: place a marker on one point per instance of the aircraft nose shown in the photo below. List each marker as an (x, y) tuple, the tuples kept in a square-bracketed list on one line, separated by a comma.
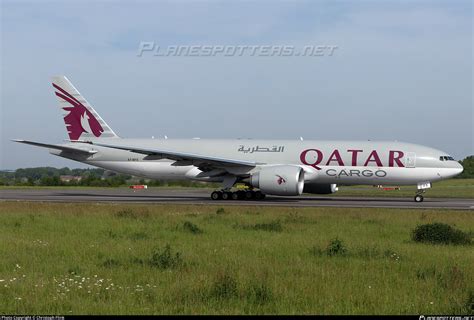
[(458, 168), (453, 168)]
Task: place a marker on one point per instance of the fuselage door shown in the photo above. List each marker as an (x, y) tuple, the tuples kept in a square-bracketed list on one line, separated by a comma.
[(410, 160)]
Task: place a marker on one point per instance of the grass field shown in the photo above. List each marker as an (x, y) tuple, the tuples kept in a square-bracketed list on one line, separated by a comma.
[(453, 188), (163, 259)]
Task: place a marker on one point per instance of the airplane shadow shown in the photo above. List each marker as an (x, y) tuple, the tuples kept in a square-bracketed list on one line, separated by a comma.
[(190, 198)]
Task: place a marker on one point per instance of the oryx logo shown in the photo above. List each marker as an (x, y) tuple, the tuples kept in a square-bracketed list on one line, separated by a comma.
[(280, 179), (79, 119)]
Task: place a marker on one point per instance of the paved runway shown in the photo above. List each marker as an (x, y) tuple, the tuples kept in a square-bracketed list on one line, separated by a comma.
[(198, 196)]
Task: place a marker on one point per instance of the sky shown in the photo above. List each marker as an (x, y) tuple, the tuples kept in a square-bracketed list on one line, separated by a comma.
[(402, 71)]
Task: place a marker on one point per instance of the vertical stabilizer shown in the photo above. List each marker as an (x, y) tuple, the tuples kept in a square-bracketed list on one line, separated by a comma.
[(82, 121)]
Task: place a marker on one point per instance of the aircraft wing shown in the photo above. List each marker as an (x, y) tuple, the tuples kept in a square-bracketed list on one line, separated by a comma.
[(183, 158), (57, 147)]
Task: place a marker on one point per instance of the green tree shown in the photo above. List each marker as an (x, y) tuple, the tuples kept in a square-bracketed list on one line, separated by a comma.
[(468, 164)]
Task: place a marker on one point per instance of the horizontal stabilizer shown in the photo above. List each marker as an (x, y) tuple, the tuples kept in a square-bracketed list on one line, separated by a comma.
[(57, 147)]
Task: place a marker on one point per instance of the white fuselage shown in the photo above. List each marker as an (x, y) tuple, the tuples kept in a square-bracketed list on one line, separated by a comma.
[(326, 162)]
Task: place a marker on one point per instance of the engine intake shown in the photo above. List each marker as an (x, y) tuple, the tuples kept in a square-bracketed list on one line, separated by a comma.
[(279, 180)]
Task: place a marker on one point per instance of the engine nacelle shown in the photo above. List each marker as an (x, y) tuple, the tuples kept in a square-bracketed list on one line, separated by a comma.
[(318, 188), (279, 180)]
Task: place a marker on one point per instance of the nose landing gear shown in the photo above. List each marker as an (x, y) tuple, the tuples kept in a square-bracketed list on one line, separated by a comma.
[(419, 198), (422, 187)]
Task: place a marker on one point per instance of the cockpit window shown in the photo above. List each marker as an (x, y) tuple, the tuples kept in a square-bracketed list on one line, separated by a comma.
[(446, 158)]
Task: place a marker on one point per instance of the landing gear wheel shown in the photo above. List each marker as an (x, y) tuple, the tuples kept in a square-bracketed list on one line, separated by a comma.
[(235, 196), (419, 198), (216, 195), (249, 195), (259, 195), (226, 195)]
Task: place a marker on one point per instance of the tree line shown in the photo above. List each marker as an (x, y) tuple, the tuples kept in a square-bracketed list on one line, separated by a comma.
[(50, 176)]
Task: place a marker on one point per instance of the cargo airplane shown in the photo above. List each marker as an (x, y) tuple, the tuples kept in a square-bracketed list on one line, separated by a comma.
[(266, 167)]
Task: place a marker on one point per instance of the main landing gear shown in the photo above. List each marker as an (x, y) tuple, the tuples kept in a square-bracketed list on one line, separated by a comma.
[(237, 195)]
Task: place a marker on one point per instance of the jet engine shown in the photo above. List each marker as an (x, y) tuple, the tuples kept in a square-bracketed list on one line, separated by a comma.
[(318, 188), (280, 180)]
